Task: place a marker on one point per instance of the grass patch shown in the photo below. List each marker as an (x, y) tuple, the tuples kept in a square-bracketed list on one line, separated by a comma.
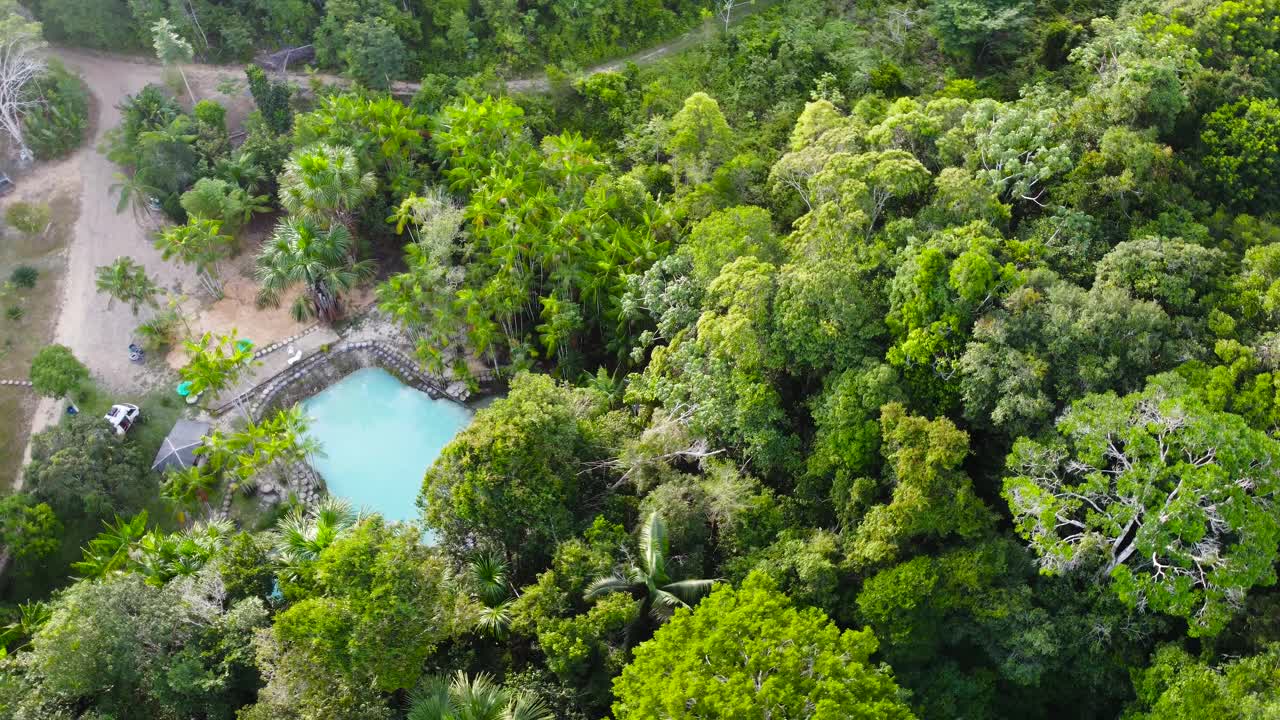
[(29, 327)]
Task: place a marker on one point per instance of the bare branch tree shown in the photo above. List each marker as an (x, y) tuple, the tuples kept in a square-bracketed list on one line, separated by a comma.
[(20, 63)]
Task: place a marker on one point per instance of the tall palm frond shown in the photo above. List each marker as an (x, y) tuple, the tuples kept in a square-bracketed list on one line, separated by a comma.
[(495, 620), (473, 698), (648, 579), (300, 253), (489, 574), (108, 553), (302, 537)]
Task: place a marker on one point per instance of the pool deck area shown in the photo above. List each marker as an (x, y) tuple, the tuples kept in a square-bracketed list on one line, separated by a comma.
[(376, 339), (272, 361)]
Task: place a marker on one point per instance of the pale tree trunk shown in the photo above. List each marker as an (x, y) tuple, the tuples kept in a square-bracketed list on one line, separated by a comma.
[(726, 12), (190, 94), (19, 65), (195, 21)]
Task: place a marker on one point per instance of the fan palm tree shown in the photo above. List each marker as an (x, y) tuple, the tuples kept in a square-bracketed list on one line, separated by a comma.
[(301, 537), (648, 581), (323, 184), (489, 581), (299, 253), (473, 698), (127, 281)]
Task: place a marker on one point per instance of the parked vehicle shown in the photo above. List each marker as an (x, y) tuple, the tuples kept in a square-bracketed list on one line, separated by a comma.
[(123, 416)]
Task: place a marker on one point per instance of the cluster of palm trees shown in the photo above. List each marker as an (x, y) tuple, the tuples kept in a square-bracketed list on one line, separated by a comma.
[(266, 446), (320, 188), (473, 698), (128, 546)]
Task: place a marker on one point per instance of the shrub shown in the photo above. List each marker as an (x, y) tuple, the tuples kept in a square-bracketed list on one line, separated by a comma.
[(56, 126), (886, 78), (24, 276), (210, 113), (27, 218), (14, 312), (55, 372), (159, 332)]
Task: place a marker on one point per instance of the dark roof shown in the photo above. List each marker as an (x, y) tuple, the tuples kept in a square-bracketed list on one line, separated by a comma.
[(178, 449)]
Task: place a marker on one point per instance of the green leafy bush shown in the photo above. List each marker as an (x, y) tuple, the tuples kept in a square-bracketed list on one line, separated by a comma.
[(56, 126), (24, 276), (27, 218)]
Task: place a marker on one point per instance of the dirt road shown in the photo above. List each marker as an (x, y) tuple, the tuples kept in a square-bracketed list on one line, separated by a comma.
[(99, 334), (706, 30)]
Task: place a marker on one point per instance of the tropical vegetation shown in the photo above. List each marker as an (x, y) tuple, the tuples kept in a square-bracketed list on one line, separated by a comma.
[(884, 360)]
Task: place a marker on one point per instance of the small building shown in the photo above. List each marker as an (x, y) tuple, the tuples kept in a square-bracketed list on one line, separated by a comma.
[(178, 451)]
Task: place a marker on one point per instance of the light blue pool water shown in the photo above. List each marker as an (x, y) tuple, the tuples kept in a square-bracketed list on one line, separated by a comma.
[(379, 436)]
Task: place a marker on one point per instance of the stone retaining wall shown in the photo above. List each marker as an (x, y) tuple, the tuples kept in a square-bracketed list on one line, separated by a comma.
[(284, 343), (319, 371)]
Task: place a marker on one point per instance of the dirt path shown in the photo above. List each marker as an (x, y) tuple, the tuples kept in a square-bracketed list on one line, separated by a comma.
[(140, 66), (99, 335), (707, 29)]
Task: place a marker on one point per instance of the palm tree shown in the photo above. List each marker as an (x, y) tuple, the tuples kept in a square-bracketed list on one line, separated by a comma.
[(201, 244), (323, 183), (648, 580), (162, 557), (177, 131), (301, 537), (489, 580), (136, 191), (216, 363), (189, 487), (473, 698), (299, 253), (243, 170), (31, 617), (127, 281), (108, 553)]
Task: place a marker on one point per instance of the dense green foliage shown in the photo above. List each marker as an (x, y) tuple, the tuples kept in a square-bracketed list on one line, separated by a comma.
[(59, 120), (878, 360), (375, 40)]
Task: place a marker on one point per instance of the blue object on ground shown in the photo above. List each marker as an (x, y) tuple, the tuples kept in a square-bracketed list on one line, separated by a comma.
[(184, 388)]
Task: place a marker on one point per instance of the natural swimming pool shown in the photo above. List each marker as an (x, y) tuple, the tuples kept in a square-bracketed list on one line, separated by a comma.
[(379, 436)]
